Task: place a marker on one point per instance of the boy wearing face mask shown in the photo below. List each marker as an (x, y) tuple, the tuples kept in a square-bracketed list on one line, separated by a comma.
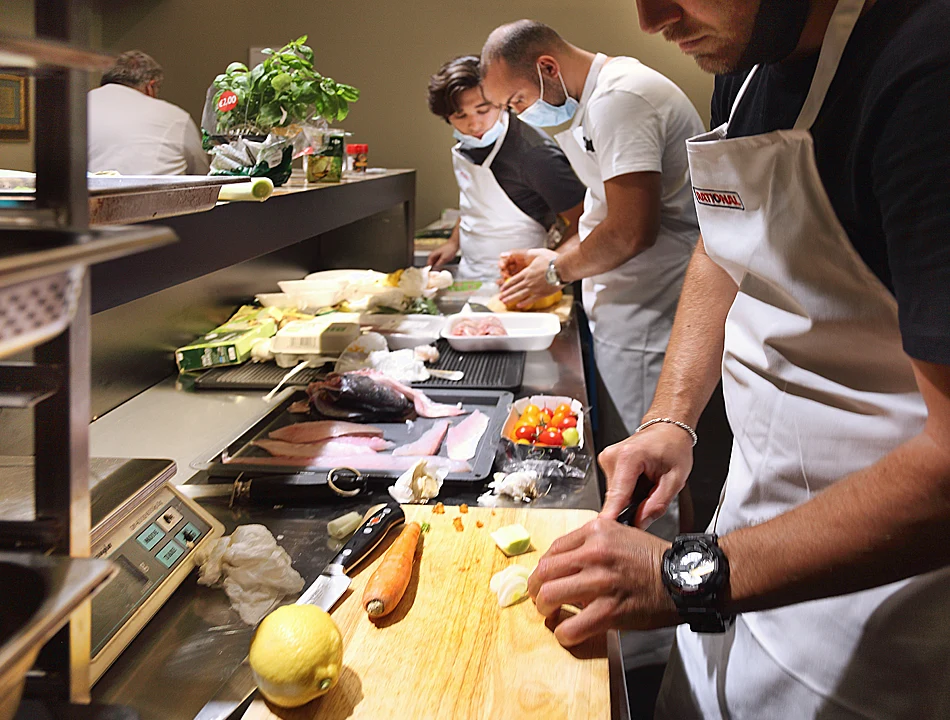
[(513, 180)]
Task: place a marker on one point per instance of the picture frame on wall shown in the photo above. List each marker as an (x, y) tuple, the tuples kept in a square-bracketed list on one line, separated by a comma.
[(14, 108)]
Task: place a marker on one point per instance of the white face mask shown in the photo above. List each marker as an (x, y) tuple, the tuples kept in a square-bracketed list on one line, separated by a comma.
[(543, 114), (470, 142)]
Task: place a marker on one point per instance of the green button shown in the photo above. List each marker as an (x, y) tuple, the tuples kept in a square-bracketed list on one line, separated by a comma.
[(188, 534), (151, 536), (170, 553)]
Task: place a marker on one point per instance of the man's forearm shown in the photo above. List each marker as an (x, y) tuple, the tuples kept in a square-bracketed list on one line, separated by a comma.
[(879, 525), (606, 248), (691, 370)]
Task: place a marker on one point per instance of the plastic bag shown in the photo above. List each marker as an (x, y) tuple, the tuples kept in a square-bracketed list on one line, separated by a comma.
[(527, 480), (255, 572)]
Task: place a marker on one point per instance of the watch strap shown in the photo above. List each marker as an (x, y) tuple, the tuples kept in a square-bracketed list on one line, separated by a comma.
[(699, 610)]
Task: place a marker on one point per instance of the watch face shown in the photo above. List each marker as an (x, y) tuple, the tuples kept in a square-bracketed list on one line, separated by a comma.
[(690, 569)]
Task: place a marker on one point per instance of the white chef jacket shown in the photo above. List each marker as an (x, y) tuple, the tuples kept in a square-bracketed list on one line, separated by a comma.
[(135, 134)]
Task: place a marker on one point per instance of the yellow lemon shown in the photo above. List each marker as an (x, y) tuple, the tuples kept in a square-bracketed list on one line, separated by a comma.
[(296, 655)]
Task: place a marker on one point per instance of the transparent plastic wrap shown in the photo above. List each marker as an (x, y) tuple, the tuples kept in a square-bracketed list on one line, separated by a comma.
[(255, 121), (519, 480)]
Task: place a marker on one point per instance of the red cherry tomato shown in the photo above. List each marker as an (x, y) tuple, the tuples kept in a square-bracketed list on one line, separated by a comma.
[(525, 432), (551, 436), (567, 422)]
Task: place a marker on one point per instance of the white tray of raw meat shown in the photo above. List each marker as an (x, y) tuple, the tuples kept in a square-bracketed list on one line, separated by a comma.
[(511, 332)]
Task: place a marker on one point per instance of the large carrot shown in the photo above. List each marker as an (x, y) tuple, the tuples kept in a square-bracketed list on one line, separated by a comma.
[(387, 585)]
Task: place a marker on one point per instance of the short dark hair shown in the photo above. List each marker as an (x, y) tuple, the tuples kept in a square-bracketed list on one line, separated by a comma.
[(520, 44), (134, 69), (453, 78)]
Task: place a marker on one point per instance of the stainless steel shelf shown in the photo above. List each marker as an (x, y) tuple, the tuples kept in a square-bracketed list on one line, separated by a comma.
[(28, 254), (39, 52)]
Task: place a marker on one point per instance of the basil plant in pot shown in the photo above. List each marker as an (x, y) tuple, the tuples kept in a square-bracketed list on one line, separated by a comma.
[(257, 120)]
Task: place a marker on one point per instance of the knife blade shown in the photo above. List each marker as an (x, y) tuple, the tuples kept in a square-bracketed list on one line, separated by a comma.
[(323, 592)]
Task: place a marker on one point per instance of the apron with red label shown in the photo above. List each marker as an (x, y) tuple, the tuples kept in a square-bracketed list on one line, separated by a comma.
[(817, 386)]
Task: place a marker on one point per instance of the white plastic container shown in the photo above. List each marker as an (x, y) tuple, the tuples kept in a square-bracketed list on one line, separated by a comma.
[(280, 300), (404, 331), (526, 332)]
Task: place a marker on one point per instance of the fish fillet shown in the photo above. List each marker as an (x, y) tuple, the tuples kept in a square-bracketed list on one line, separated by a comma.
[(367, 463), (318, 430), (463, 438), (327, 447), (424, 406), (428, 443)]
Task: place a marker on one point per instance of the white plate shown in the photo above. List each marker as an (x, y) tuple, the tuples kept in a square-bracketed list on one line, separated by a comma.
[(526, 332), (345, 276), (281, 300)]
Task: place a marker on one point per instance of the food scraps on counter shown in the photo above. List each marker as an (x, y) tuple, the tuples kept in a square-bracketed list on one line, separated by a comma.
[(478, 327), (510, 585), (463, 508), (457, 524), (438, 509), (388, 583), (521, 486), (421, 482), (512, 539), (342, 527)]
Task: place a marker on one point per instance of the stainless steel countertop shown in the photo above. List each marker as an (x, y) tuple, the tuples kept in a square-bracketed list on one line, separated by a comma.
[(195, 641)]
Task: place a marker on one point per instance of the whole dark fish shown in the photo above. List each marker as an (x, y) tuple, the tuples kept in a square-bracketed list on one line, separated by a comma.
[(358, 398)]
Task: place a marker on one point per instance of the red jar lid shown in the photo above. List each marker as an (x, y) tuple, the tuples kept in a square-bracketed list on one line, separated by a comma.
[(357, 148)]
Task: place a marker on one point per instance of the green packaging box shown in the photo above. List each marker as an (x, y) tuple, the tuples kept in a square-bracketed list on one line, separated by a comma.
[(228, 344)]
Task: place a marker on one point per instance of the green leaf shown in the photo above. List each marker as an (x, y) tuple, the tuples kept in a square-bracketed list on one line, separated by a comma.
[(307, 52), (269, 114), (256, 73), (281, 82), (236, 67)]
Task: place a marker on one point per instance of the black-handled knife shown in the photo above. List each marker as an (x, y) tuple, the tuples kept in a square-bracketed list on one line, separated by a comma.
[(334, 581), (323, 592), (640, 493)]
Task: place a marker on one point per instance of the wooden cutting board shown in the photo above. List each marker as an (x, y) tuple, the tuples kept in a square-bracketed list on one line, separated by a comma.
[(448, 652)]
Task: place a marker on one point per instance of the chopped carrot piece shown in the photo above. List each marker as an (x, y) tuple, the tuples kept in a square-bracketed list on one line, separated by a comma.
[(463, 508), (457, 524), (479, 523), (439, 509)]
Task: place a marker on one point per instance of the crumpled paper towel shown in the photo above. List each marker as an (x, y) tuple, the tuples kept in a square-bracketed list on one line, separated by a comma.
[(255, 572)]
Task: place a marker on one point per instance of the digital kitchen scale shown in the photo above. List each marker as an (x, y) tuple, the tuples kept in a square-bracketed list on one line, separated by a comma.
[(141, 523)]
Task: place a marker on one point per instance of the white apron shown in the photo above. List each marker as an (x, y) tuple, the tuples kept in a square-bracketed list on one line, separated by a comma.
[(816, 386), (491, 222), (633, 306)]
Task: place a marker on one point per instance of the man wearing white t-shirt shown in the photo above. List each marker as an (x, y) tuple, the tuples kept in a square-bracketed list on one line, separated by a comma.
[(132, 132), (627, 142)]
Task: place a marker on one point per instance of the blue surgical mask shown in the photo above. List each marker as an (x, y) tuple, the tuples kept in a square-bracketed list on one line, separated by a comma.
[(543, 114), (470, 142)]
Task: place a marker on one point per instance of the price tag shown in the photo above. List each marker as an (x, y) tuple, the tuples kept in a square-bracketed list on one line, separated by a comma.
[(227, 102)]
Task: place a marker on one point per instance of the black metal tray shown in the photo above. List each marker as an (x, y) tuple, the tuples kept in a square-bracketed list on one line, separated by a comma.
[(493, 403), (483, 371)]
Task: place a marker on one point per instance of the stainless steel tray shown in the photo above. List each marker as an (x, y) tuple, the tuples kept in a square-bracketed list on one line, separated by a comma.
[(115, 200), (494, 403)]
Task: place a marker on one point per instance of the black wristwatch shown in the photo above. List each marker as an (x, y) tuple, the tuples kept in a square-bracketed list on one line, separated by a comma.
[(696, 574)]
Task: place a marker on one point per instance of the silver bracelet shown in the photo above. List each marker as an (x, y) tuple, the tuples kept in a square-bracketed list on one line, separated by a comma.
[(671, 421)]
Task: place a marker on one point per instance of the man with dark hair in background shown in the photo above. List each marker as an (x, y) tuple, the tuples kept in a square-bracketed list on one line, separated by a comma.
[(513, 181), (132, 132)]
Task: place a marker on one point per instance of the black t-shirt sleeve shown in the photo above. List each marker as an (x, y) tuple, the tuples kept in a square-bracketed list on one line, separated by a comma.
[(910, 176), (547, 171)]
